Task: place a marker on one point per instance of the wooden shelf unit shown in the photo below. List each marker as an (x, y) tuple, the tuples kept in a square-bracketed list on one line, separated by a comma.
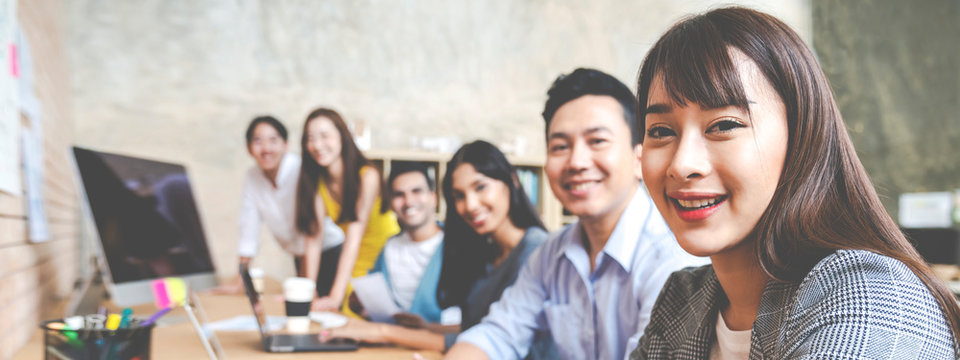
[(529, 169)]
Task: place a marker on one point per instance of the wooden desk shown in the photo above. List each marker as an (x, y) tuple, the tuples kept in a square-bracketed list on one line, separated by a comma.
[(179, 341)]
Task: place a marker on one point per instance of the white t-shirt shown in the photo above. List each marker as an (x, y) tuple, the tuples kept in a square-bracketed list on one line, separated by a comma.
[(730, 344), (406, 261), (276, 207)]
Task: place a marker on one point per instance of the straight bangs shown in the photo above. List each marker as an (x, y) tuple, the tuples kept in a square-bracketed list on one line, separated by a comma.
[(693, 62)]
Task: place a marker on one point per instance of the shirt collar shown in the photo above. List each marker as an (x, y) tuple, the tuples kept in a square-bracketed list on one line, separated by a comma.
[(630, 229), (626, 235), (289, 167)]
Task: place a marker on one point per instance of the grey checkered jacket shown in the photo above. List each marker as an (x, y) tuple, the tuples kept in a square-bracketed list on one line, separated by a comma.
[(853, 304)]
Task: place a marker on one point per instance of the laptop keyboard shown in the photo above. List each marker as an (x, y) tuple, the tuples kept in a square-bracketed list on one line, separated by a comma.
[(296, 341)]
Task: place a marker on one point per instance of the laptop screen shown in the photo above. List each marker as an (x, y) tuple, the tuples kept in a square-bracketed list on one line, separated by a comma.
[(254, 302)]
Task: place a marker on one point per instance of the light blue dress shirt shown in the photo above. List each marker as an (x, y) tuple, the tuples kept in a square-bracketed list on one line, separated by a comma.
[(598, 315)]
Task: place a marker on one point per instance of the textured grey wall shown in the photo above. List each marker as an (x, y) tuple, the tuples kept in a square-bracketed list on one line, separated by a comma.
[(178, 80), (895, 70)]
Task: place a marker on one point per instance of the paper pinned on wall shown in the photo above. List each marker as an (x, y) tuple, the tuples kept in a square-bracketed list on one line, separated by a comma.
[(374, 294), (9, 103), (34, 175), (926, 210), (9, 145), (29, 104)]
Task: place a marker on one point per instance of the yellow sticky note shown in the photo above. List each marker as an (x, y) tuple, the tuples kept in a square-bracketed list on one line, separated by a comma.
[(177, 290)]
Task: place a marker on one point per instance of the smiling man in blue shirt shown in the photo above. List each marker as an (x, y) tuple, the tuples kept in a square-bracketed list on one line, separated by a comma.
[(593, 284)]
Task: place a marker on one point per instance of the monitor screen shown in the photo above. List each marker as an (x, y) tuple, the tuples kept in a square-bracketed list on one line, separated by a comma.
[(145, 215), (936, 245)]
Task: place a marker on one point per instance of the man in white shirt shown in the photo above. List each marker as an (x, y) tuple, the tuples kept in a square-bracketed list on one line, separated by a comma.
[(269, 194), (411, 260)]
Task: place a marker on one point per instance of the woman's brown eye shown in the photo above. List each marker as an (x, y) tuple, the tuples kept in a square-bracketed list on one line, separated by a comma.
[(659, 132), (727, 125)]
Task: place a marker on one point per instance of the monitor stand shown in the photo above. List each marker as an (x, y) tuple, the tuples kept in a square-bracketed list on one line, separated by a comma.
[(88, 294)]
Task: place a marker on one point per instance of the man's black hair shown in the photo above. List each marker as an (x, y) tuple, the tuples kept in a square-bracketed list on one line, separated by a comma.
[(398, 168), (591, 82), (272, 121)]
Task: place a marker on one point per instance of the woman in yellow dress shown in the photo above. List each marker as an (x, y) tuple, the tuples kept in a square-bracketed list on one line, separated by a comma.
[(336, 180)]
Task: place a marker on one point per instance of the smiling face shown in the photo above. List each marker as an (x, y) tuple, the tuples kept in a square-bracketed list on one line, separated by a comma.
[(483, 202), (712, 172), (323, 141), (591, 164), (412, 200), (267, 147)]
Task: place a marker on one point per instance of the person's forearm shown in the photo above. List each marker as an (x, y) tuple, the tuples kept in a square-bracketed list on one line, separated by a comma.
[(465, 350), (311, 258), (442, 329), (412, 338), (348, 258)]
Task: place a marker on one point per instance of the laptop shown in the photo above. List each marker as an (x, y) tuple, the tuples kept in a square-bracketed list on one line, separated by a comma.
[(287, 342)]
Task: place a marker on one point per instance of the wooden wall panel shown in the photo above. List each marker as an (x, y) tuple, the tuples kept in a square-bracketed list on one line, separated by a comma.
[(35, 276), (18, 257), (24, 313), (11, 206), (13, 231)]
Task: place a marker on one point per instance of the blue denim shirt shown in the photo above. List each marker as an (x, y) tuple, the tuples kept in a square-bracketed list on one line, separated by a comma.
[(598, 315)]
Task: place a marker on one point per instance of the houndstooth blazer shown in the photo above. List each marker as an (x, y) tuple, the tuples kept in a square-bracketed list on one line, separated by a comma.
[(853, 304)]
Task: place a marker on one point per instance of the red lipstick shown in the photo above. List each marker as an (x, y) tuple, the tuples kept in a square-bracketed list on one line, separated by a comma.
[(692, 214)]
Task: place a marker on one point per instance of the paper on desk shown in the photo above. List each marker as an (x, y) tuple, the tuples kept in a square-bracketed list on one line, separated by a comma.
[(375, 296), (244, 323)]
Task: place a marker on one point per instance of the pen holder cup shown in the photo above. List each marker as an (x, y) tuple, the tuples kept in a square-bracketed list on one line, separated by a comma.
[(129, 343)]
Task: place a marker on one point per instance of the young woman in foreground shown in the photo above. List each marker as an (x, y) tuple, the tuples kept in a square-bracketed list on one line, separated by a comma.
[(746, 156), (491, 228)]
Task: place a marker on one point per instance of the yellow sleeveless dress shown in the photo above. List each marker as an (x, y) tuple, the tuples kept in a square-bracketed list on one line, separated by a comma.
[(380, 227)]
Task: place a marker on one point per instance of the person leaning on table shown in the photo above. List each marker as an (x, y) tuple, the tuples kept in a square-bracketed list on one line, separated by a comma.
[(268, 198)]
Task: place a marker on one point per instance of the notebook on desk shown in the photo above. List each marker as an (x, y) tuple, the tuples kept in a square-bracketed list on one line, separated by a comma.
[(287, 342)]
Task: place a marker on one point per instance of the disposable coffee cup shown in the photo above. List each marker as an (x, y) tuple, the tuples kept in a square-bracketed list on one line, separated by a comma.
[(298, 293), (256, 275)]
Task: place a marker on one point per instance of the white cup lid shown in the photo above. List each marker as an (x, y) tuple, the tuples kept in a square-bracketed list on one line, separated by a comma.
[(298, 289)]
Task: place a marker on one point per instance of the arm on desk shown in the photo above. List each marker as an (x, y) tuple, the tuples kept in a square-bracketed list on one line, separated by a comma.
[(414, 321), (379, 333)]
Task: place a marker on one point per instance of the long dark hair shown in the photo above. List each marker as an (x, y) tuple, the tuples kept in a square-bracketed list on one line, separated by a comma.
[(311, 173), (824, 200), (466, 253)]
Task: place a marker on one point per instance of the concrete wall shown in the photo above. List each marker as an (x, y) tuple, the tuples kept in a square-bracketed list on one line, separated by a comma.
[(179, 80), (894, 67)]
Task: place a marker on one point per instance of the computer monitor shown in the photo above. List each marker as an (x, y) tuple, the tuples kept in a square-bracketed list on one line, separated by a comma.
[(146, 221), (936, 245)]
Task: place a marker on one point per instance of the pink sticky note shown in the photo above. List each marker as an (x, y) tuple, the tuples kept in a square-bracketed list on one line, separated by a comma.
[(160, 297), (14, 61)]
